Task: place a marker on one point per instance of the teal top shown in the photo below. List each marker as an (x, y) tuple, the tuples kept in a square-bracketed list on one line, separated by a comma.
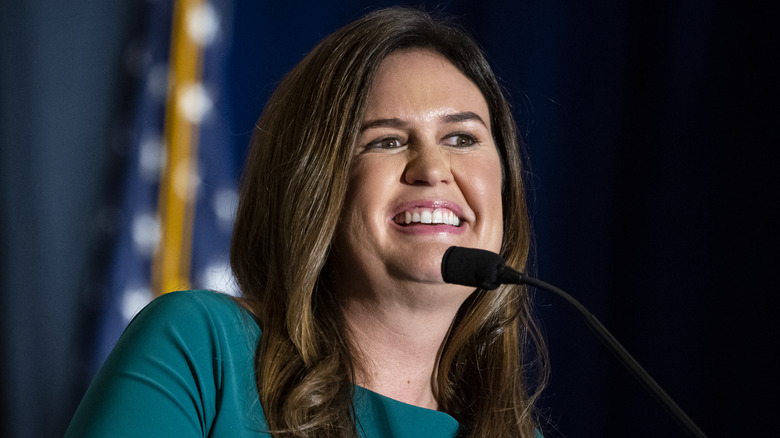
[(184, 367)]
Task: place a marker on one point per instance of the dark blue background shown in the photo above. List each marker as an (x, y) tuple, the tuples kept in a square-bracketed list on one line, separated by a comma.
[(651, 133)]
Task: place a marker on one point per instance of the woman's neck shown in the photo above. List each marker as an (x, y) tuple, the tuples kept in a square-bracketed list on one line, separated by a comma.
[(397, 347)]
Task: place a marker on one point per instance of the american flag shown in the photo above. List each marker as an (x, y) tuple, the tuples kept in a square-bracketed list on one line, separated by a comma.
[(173, 211)]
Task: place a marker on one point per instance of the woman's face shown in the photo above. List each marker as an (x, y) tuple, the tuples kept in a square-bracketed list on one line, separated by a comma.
[(426, 173)]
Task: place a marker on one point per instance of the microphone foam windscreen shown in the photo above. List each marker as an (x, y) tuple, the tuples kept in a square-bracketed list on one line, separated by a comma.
[(471, 267)]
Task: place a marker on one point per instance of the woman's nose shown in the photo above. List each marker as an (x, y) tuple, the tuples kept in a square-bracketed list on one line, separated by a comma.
[(428, 165)]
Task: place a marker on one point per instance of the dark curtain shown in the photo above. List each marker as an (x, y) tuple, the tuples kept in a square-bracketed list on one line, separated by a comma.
[(648, 136), (650, 133)]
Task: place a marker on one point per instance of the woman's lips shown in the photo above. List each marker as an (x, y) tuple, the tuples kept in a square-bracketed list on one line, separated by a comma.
[(423, 217), (427, 216)]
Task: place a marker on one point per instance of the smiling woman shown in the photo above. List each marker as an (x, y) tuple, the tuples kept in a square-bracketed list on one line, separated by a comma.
[(425, 150), (424, 153), (388, 143)]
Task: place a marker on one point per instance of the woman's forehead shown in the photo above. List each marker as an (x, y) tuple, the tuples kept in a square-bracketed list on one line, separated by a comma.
[(421, 80)]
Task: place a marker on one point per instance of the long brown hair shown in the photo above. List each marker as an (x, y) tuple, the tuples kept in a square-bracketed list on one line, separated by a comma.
[(292, 194)]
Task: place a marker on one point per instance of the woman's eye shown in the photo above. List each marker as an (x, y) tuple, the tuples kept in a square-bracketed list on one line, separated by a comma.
[(460, 140), (385, 143)]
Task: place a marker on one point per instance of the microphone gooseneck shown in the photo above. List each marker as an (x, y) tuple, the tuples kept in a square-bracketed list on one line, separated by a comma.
[(488, 270)]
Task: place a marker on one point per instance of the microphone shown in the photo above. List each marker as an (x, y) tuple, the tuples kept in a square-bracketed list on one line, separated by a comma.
[(487, 270)]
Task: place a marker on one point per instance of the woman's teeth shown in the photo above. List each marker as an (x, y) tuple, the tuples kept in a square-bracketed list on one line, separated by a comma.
[(428, 216)]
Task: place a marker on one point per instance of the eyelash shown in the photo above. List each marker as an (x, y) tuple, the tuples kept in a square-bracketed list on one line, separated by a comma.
[(378, 144), (469, 138), (472, 140)]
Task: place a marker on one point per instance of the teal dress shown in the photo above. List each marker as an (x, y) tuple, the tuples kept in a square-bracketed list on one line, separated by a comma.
[(184, 367)]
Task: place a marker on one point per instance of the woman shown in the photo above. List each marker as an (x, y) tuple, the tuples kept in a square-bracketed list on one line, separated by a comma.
[(388, 143)]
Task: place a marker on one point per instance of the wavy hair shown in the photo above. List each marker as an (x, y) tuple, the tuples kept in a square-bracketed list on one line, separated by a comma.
[(493, 362)]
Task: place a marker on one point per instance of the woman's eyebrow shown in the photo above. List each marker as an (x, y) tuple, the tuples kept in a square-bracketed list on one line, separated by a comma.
[(462, 117), (382, 123), (398, 123)]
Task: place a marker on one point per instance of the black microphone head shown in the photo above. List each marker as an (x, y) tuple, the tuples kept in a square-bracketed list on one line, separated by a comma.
[(471, 267)]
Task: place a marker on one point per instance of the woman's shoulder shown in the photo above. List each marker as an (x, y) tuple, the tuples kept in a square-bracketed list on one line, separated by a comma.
[(183, 362), (207, 301), (192, 318), (194, 307)]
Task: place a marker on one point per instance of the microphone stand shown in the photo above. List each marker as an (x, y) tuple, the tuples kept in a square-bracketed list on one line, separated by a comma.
[(508, 275)]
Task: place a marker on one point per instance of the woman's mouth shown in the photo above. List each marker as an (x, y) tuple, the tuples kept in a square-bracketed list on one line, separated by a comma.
[(427, 216)]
